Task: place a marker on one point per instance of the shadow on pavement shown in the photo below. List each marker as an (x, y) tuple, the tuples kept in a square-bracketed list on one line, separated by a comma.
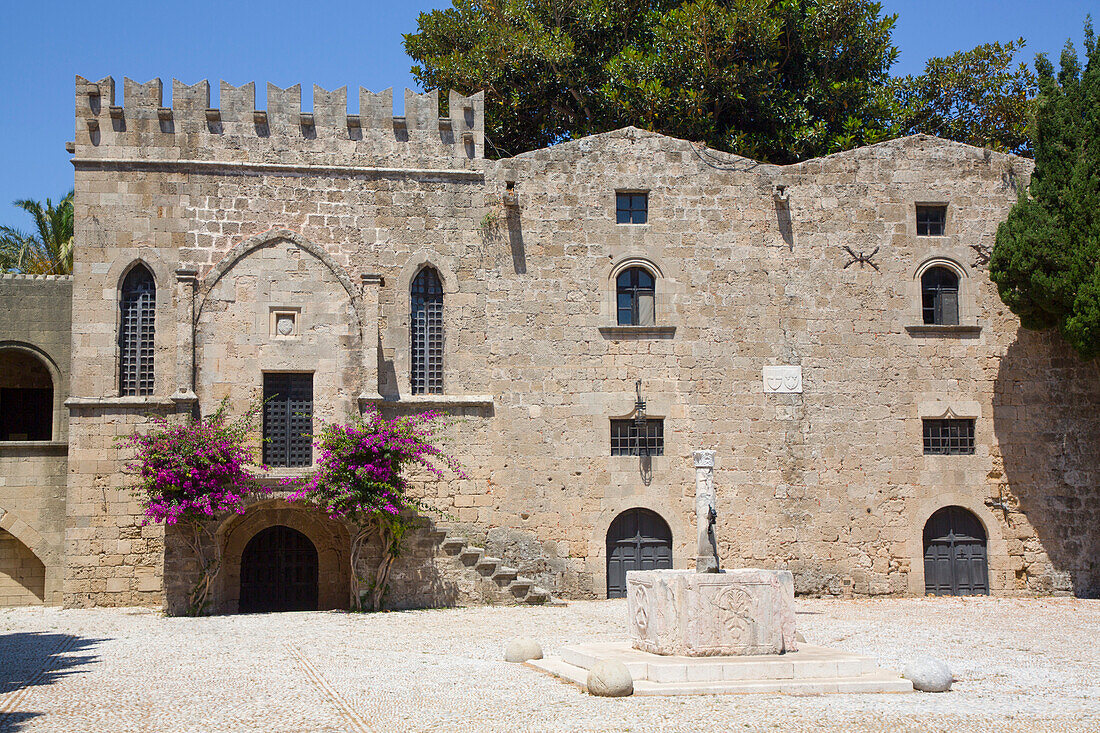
[(31, 659)]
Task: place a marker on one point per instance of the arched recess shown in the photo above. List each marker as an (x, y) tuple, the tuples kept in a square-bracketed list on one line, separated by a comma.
[(16, 375), (278, 572), (672, 512), (330, 538), (25, 562), (955, 553), (270, 281), (637, 539), (273, 236), (996, 547)]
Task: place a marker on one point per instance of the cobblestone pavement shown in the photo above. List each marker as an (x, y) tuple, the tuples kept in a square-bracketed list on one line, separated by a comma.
[(1021, 665)]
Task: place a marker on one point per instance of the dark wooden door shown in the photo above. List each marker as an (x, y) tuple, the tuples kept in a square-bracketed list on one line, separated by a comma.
[(278, 572), (638, 539), (955, 561)]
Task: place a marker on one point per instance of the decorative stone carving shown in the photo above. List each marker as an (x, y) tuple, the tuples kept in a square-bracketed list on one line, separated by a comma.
[(783, 379), (734, 612)]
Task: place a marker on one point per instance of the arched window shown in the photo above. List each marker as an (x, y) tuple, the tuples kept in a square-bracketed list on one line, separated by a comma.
[(426, 330), (634, 292), (26, 397), (940, 296), (135, 332)]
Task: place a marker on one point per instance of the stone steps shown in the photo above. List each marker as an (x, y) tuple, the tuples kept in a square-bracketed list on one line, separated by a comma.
[(507, 580)]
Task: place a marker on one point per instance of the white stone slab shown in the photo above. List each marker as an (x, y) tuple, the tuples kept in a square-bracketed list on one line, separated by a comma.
[(783, 379), (810, 670)]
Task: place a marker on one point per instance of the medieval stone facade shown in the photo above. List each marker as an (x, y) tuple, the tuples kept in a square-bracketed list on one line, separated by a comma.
[(283, 242)]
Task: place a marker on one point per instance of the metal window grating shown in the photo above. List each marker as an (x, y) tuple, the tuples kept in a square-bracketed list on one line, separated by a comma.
[(288, 419), (631, 208), (426, 332), (931, 219), (135, 333), (949, 437), (627, 440)]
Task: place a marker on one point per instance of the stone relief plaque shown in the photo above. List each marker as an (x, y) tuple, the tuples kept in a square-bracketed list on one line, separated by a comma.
[(783, 379)]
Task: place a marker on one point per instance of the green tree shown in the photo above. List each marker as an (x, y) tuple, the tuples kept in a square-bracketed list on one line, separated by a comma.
[(979, 97), (46, 251), (778, 81), (1046, 261)]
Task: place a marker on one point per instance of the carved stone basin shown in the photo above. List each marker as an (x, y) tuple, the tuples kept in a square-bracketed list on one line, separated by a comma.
[(731, 613)]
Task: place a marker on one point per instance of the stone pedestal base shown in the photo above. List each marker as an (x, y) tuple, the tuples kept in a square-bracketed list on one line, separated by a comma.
[(690, 614)]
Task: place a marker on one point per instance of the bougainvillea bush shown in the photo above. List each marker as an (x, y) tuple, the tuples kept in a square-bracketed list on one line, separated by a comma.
[(191, 472), (360, 477)]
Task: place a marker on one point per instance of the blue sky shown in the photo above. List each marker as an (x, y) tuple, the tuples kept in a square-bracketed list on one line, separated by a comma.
[(286, 42)]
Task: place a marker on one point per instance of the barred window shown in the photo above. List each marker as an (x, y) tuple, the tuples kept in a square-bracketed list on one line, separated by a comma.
[(631, 207), (634, 291), (948, 437), (931, 220), (628, 440), (137, 304), (427, 333), (288, 419)]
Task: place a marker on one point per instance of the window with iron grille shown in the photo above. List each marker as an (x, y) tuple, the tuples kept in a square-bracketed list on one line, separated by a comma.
[(288, 419), (634, 290), (931, 219), (628, 440), (426, 330), (949, 437), (137, 303), (940, 296), (631, 207)]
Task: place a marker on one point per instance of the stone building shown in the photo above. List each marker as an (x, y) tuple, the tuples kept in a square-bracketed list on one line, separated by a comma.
[(882, 424)]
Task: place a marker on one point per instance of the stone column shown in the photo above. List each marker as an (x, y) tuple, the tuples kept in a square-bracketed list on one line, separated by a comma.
[(372, 285), (187, 281), (706, 559)]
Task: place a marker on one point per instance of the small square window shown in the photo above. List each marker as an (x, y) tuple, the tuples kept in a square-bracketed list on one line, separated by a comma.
[(628, 440), (631, 207), (948, 437), (931, 219)]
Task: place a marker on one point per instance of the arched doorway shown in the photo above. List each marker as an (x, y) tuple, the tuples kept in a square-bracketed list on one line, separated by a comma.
[(955, 557), (278, 572), (22, 574), (638, 539)]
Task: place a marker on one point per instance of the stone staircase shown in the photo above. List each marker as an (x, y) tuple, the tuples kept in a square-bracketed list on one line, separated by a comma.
[(512, 587)]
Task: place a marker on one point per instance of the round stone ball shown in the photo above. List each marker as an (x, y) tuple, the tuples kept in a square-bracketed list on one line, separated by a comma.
[(522, 649), (928, 674), (609, 678)]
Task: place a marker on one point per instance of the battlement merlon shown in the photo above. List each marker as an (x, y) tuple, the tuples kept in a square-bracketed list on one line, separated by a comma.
[(141, 127)]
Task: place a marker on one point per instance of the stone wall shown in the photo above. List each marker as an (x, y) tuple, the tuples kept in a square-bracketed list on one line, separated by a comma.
[(35, 334), (831, 483)]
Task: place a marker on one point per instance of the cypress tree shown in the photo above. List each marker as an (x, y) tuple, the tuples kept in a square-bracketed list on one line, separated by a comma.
[(1046, 261)]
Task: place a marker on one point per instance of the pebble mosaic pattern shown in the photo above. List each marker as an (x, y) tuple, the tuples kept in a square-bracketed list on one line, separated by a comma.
[(1020, 665)]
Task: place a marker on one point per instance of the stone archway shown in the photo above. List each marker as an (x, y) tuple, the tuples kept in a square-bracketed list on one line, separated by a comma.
[(329, 538)]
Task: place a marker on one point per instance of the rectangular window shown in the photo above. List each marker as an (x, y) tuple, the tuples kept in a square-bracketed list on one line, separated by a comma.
[(628, 440), (288, 419), (631, 207), (948, 437), (931, 219)]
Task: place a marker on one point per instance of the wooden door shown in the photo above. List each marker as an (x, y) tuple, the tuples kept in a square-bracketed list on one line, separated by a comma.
[(278, 572), (638, 539)]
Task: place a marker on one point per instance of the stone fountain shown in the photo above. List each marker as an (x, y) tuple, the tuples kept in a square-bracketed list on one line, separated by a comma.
[(710, 630)]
